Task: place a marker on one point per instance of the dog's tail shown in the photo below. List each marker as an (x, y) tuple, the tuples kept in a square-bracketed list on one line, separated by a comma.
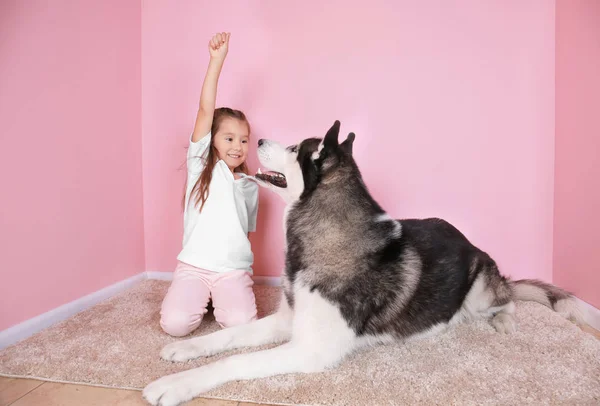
[(549, 295)]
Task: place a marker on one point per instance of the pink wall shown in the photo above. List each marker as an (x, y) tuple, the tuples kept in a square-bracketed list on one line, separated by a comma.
[(70, 154), (454, 114), (577, 195), (452, 104)]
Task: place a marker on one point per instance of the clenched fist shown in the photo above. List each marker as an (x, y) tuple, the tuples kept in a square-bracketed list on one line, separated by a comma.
[(218, 45)]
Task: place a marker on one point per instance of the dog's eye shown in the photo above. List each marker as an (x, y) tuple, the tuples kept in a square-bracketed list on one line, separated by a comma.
[(293, 149)]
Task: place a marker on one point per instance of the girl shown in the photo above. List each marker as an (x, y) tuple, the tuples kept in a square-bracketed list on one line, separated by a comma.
[(220, 209)]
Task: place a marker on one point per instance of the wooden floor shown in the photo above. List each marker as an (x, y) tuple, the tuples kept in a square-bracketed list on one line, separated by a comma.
[(30, 392)]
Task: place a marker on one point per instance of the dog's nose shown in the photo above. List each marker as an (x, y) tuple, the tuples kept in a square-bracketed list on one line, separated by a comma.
[(260, 142)]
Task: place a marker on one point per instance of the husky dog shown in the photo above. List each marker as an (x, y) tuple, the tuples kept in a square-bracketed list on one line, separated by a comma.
[(354, 277)]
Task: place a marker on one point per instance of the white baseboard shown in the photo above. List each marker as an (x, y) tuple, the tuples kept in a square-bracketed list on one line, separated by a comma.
[(259, 280), (160, 276), (38, 323), (590, 313)]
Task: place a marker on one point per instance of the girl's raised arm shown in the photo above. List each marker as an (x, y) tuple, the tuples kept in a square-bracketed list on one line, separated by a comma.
[(217, 47)]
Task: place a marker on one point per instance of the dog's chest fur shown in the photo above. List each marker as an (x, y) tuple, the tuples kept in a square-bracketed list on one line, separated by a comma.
[(334, 252), (325, 245)]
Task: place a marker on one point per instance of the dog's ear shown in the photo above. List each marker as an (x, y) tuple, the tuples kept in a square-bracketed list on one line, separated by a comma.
[(346, 146), (331, 138)]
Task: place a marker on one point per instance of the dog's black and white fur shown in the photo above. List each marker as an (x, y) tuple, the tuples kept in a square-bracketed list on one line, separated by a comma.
[(354, 277)]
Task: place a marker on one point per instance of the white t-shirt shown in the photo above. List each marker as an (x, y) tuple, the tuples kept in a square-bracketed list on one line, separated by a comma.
[(216, 239)]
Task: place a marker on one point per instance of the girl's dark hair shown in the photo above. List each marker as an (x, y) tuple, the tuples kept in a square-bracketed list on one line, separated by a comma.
[(200, 190)]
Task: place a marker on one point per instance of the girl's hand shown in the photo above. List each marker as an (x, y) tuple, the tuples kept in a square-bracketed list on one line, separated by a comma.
[(218, 45)]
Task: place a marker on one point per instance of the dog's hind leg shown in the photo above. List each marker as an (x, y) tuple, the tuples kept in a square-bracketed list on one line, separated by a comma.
[(504, 318), (275, 328), (502, 307), (321, 339), (490, 296)]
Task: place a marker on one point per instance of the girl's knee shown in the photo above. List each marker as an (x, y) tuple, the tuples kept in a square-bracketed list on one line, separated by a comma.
[(179, 324)]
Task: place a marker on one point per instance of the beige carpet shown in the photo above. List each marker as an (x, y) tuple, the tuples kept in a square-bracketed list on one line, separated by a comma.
[(116, 343)]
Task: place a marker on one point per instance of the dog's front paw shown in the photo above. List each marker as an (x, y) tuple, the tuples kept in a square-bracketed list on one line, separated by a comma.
[(181, 351), (168, 391)]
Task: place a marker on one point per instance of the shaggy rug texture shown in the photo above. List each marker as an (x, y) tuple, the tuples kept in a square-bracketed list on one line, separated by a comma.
[(116, 343)]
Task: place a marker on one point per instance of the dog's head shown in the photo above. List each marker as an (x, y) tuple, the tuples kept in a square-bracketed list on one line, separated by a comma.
[(297, 170)]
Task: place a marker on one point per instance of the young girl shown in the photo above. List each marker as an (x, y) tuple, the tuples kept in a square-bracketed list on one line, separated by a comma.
[(220, 210)]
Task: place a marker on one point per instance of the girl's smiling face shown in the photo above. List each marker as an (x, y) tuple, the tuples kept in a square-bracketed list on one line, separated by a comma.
[(231, 142)]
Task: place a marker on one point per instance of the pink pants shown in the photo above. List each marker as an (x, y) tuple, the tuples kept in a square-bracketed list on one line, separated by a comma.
[(185, 303)]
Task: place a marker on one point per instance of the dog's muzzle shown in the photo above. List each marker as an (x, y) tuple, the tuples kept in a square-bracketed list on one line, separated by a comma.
[(274, 178)]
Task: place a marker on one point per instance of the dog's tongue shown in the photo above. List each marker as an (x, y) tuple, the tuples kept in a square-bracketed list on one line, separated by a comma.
[(268, 173)]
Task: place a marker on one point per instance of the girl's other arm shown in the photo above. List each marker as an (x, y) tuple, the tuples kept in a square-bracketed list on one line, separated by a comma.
[(217, 47)]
